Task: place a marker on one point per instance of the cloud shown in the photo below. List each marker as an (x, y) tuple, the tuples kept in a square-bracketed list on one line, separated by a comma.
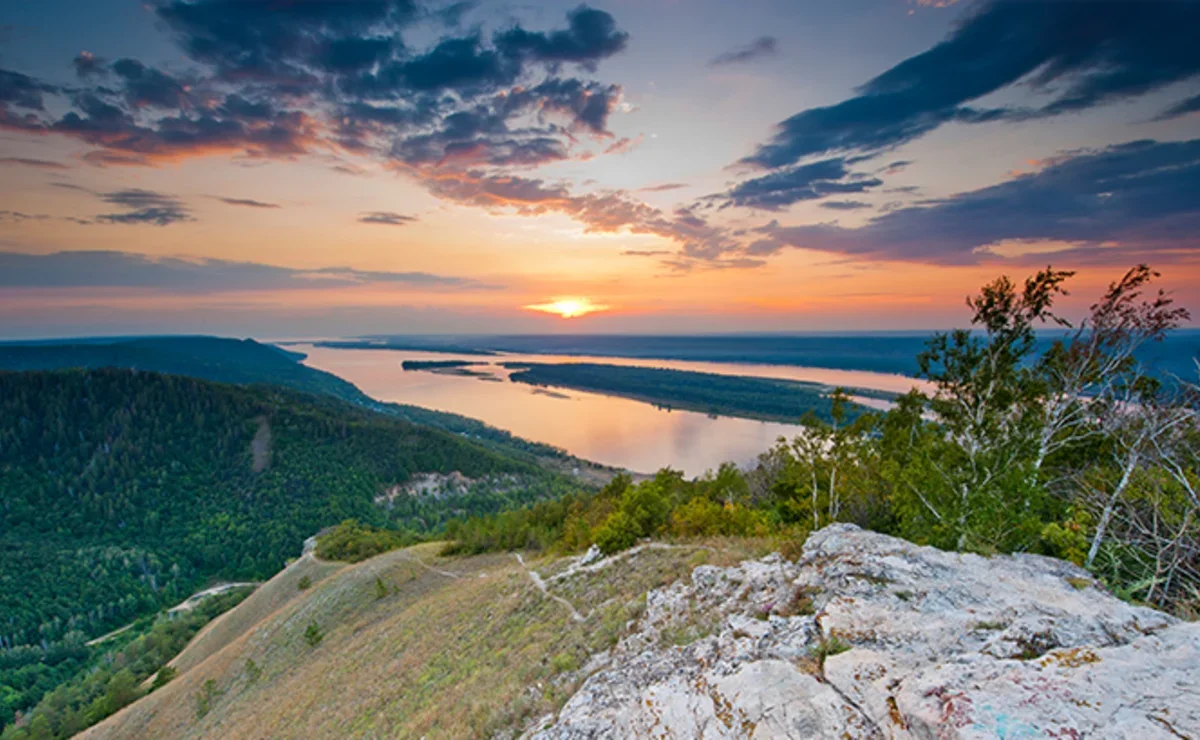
[(1182, 108), (44, 164), (88, 65), (845, 205), (759, 48), (112, 269), (18, 216), (144, 207), (645, 252), (282, 80), (603, 212), (147, 87), (247, 202), (664, 187), (591, 35), (1130, 199), (386, 218), (811, 181), (1078, 54)]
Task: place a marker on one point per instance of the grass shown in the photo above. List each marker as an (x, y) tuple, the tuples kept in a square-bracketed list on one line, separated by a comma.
[(473, 656)]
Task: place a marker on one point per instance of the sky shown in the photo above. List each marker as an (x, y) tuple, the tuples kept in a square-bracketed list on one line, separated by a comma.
[(305, 168)]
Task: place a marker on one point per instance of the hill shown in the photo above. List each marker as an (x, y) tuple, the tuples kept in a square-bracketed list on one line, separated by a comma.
[(864, 636), (246, 362), (125, 491)]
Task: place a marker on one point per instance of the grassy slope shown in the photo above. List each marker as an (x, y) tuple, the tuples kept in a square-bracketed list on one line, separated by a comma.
[(437, 657)]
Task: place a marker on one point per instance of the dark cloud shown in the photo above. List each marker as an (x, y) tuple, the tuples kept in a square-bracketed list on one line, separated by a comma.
[(845, 205), (248, 203), (44, 164), (1182, 108), (810, 181), (759, 48), (18, 216), (645, 252), (97, 269), (144, 207), (145, 86), (1081, 54), (1138, 196), (280, 42), (591, 35), (103, 124), (386, 218), (88, 65), (23, 91)]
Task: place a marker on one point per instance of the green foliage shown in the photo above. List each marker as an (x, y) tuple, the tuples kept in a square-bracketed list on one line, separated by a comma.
[(111, 678), (253, 672), (304, 584), (206, 696), (127, 491), (354, 542), (313, 634), (164, 676), (381, 591)]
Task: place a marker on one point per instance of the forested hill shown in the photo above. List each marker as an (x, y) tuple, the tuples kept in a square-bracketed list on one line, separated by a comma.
[(243, 362), (211, 358), (124, 490)]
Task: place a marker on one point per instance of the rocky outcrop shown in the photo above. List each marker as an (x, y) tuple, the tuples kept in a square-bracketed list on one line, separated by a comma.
[(868, 636)]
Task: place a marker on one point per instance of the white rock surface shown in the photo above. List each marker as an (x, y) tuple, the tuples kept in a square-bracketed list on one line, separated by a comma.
[(941, 645)]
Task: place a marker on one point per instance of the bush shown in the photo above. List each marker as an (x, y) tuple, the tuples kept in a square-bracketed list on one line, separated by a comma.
[(314, 634), (163, 677), (304, 583)]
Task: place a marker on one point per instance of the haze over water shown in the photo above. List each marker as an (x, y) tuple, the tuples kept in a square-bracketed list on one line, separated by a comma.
[(606, 429)]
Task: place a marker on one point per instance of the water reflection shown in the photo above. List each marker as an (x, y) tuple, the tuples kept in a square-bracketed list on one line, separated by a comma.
[(614, 431)]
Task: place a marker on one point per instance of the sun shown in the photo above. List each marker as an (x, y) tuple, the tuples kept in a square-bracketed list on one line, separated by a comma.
[(568, 308)]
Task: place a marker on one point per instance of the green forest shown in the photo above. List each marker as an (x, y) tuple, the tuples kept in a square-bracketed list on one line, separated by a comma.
[(100, 681), (125, 491), (1072, 452), (755, 398), (246, 362)]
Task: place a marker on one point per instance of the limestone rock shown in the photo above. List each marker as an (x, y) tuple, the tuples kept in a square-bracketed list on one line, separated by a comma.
[(869, 636)]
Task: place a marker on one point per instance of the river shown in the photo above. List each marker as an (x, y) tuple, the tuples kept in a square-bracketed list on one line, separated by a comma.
[(615, 431)]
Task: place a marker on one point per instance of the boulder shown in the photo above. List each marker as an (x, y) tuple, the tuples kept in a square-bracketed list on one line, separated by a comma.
[(869, 636)]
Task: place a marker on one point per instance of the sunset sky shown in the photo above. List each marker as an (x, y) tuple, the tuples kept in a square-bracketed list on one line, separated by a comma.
[(291, 168)]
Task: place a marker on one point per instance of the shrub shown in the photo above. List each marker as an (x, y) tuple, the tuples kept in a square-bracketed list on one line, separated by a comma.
[(304, 584), (314, 634), (163, 677)]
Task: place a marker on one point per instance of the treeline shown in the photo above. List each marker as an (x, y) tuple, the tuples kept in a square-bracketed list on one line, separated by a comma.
[(116, 675), (709, 393), (126, 491), (1073, 452)]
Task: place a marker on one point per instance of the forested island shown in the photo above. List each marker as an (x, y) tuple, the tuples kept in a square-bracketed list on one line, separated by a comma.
[(766, 399)]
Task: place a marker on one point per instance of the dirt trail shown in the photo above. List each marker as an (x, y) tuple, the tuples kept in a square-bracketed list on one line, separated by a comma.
[(541, 586)]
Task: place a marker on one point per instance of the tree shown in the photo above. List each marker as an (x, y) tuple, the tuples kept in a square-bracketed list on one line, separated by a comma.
[(985, 405)]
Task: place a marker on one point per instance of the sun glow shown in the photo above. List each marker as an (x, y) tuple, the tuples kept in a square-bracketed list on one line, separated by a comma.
[(568, 308)]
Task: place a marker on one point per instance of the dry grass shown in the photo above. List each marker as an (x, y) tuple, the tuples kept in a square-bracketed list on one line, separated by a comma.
[(440, 656)]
